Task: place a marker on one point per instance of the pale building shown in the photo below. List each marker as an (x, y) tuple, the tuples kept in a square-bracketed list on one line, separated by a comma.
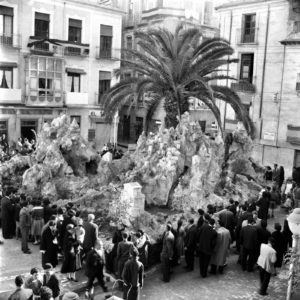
[(57, 57), (140, 15), (266, 39)]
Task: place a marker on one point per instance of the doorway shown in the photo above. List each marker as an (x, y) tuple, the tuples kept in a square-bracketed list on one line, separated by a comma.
[(27, 127), (297, 159)]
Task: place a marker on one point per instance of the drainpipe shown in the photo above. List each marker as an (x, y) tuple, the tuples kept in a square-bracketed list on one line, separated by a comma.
[(280, 95), (264, 69), (227, 72)]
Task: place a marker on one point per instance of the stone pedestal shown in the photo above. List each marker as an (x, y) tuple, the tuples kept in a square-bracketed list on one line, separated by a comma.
[(132, 194)]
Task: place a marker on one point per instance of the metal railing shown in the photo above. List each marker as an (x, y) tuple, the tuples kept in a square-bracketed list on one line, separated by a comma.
[(13, 40), (243, 86), (250, 37), (110, 54), (76, 51)]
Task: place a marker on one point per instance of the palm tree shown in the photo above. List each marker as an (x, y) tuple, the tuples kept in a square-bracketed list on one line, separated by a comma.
[(173, 67)]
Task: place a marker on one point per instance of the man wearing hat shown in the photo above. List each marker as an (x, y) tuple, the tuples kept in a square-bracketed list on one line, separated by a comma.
[(70, 296), (133, 276), (50, 280), (166, 254)]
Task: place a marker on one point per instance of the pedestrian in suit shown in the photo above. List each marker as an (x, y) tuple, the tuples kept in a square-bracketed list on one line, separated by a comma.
[(263, 203), (226, 217), (25, 223), (276, 176), (20, 293), (133, 276), (249, 244), (123, 252), (266, 261), (91, 234), (207, 239), (201, 218), (7, 216), (190, 245), (95, 266), (51, 281), (49, 245), (166, 254), (280, 244)]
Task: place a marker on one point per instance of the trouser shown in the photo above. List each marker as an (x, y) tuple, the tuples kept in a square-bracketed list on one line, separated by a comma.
[(189, 258), (131, 293), (213, 269), (247, 259), (24, 233), (166, 268), (264, 277), (100, 279), (17, 229), (203, 263)]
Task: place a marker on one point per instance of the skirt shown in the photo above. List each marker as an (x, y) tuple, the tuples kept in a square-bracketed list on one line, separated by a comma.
[(37, 226)]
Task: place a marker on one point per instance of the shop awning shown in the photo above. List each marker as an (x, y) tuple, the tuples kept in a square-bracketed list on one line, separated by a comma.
[(75, 70), (5, 64)]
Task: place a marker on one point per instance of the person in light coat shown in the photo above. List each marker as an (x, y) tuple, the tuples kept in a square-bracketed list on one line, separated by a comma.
[(266, 261)]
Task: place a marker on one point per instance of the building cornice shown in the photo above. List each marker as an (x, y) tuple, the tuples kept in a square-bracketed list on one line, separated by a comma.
[(244, 3)]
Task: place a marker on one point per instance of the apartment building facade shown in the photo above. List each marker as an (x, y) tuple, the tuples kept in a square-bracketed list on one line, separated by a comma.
[(266, 39), (142, 14), (57, 57)]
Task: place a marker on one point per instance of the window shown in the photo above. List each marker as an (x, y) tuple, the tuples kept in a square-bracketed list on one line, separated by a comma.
[(41, 25), (246, 72), (129, 45), (73, 83), (104, 83), (208, 11), (130, 9), (3, 128), (91, 135), (248, 35), (45, 86), (77, 119), (6, 78), (75, 30), (6, 25), (27, 129), (105, 41)]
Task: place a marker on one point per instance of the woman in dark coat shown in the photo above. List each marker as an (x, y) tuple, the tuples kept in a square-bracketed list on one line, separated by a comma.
[(49, 247), (70, 248)]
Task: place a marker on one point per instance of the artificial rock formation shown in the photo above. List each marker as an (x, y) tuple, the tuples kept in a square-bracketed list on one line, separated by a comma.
[(61, 161)]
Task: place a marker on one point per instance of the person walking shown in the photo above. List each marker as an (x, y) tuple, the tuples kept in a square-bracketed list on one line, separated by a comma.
[(91, 234), (221, 251), (133, 276), (123, 252), (207, 239), (49, 245), (25, 223), (20, 293), (95, 266), (266, 261), (190, 245), (249, 242), (166, 254)]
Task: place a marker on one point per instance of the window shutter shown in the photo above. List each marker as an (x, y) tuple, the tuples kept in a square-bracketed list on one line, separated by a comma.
[(104, 75), (75, 23), (40, 16), (106, 30), (91, 135), (7, 11)]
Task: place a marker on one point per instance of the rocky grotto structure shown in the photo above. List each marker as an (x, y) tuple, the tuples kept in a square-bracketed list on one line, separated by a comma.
[(181, 169)]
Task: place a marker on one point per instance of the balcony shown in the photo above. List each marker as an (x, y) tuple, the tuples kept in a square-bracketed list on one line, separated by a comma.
[(44, 101), (76, 99), (77, 51), (293, 134), (11, 41), (243, 38), (10, 96), (112, 54), (44, 46)]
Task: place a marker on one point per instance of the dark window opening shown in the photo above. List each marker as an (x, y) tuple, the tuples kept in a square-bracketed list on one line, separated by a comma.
[(77, 119), (73, 82), (248, 28), (3, 128), (105, 41), (75, 27), (6, 25), (41, 25), (246, 71), (6, 78), (104, 83), (28, 127), (45, 86)]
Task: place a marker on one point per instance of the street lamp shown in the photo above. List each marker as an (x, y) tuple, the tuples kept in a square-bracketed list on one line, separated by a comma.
[(294, 225)]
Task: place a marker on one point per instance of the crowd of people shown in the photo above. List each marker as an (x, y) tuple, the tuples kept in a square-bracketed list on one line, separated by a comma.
[(23, 146)]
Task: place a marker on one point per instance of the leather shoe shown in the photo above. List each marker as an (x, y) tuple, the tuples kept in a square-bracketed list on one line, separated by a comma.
[(27, 252)]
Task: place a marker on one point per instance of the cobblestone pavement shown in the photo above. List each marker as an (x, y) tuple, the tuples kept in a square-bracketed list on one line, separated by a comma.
[(234, 284)]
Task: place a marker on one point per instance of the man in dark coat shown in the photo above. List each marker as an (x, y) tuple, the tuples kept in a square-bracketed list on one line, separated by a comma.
[(133, 276), (190, 245), (263, 235), (167, 252), (226, 217), (91, 234), (201, 218), (49, 247), (263, 204), (280, 244), (95, 264), (249, 241), (25, 223), (48, 212), (207, 239), (7, 216), (50, 280), (241, 217)]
